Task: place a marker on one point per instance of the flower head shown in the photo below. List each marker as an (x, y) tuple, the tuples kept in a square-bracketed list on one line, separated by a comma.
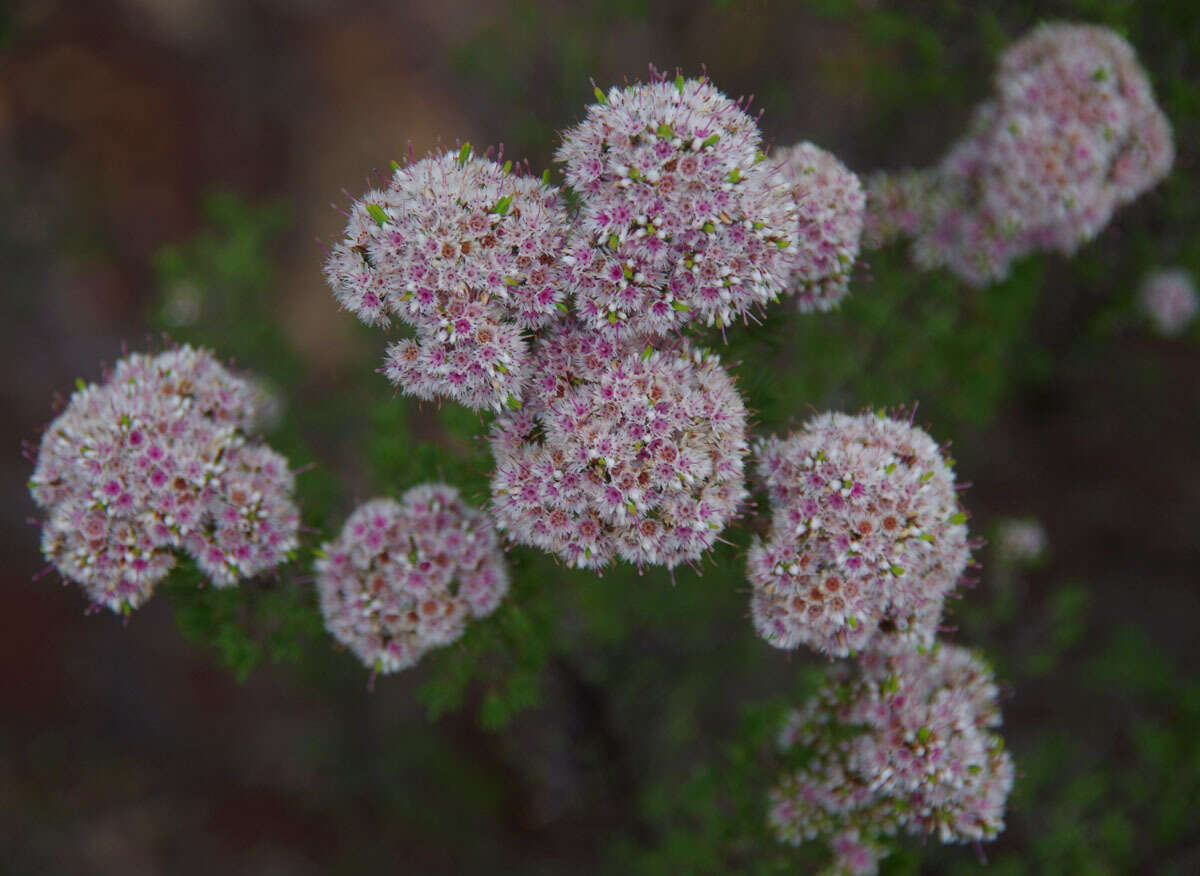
[(152, 461), (830, 202), (681, 220), (866, 534), (1071, 134), (405, 577), (468, 253), (620, 451), (905, 740), (1168, 299)]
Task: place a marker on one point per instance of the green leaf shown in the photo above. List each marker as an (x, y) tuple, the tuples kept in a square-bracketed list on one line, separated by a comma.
[(679, 82), (502, 205), (463, 154), (507, 169), (600, 98), (710, 140), (665, 131), (79, 384), (376, 213)]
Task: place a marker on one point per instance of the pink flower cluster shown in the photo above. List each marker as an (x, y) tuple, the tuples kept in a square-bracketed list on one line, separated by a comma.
[(465, 251), (681, 220), (866, 536), (405, 577), (830, 203), (152, 461), (1071, 134), (620, 451), (904, 741), (1169, 300)]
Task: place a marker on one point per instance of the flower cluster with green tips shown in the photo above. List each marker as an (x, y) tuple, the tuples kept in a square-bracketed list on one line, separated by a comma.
[(1071, 134), (901, 740), (404, 577), (155, 460)]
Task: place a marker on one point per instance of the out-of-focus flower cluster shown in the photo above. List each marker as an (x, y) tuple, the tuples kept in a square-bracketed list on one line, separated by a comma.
[(866, 535), (620, 450), (155, 460), (404, 577), (1020, 541), (903, 741), (1071, 134), (1169, 300), (680, 218), (465, 251), (830, 203)]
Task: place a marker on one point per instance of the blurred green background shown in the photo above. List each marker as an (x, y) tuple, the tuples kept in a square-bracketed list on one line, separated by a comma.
[(169, 166)]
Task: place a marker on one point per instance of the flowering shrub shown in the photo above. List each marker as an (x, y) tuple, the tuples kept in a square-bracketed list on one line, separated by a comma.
[(1071, 134), (404, 577), (570, 323), (153, 460)]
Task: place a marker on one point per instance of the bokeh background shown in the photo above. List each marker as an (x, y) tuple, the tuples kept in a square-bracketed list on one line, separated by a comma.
[(170, 166)]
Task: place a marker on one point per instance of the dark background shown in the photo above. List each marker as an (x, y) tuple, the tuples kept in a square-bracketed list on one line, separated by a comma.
[(159, 151)]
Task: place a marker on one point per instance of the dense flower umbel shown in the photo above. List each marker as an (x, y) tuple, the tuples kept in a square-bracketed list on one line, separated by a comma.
[(404, 577), (154, 460), (866, 531), (904, 741), (620, 451), (1168, 299), (1071, 134), (680, 217), (468, 253), (830, 202)]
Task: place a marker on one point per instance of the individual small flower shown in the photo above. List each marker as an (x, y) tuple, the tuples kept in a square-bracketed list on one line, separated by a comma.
[(830, 203), (681, 220), (155, 460), (620, 451), (1020, 541), (1071, 134), (903, 741), (867, 535), (1168, 299), (405, 577), (456, 246)]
